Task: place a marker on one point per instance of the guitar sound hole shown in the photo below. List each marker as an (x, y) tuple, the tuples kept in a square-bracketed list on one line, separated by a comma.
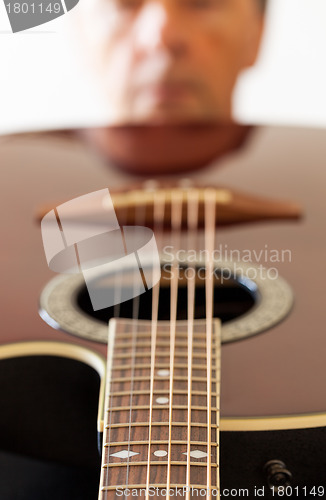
[(232, 299)]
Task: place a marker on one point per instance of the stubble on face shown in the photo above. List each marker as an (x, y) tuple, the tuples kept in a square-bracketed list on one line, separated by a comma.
[(188, 72)]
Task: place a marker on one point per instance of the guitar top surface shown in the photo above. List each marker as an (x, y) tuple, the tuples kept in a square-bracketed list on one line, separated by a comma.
[(281, 371)]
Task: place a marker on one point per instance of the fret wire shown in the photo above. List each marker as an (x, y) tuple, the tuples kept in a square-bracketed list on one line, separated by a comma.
[(157, 462), (158, 485), (179, 378), (165, 441), (176, 222), (159, 212), (159, 407), (158, 365), (210, 201), (163, 424), (161, 391)]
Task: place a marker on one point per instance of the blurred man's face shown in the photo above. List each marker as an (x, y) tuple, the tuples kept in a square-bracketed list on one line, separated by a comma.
[(166, 61)]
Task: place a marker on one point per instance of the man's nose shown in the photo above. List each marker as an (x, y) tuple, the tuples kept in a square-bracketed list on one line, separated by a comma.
[(159, 26)]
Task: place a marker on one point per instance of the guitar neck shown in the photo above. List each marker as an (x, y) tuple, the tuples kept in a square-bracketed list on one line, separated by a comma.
[(161, 422)]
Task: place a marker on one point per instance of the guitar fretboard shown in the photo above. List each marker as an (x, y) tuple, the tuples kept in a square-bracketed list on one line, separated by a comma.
[(160, 429)]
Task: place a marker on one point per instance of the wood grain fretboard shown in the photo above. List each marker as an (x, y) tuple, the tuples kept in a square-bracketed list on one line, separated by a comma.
[(158, 435)]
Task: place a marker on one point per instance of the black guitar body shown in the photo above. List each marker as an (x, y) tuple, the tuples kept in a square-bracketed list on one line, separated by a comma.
[(48, 429), (53, 416)]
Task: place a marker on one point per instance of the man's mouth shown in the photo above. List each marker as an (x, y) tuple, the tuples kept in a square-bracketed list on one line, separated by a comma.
[(170, 91)]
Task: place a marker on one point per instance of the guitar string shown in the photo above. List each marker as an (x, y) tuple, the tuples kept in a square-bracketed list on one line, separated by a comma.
[(108, 418), (176, 216), (159, 207), (116, 307), (210, 215), (139, 220), (192, 226), (176, 225), (118, 285), (116, 314)]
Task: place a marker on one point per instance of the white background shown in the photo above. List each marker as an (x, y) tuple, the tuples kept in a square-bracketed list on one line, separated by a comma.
[(42, 85)]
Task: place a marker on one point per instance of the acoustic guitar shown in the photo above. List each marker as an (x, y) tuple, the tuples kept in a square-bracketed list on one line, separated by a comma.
[(237, 307)]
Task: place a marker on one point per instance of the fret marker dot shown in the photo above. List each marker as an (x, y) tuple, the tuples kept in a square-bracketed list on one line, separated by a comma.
[(162, 401), (197, 454), (124, 454), (160, 453), (163, 373)]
